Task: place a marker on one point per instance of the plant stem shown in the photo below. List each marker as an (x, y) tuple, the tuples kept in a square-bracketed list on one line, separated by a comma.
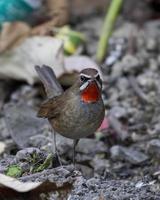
[(109, 22)]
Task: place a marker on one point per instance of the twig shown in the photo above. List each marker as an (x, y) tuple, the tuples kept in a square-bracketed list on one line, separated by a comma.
[(109, 22)]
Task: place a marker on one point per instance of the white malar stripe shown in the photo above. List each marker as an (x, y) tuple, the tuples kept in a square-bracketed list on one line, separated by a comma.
[(96, 75), (84, 86), (98, 83)]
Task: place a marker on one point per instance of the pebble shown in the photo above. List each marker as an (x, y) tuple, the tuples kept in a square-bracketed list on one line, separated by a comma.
[(151, 44), (91, 146), (28, 124), (128, 154), (100, 165), (118, 112), (153, 147), (38, 140), (26, 154), (132, 64), (4, 133)]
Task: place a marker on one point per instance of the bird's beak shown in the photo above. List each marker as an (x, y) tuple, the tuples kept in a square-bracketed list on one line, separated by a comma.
[(86, 84)]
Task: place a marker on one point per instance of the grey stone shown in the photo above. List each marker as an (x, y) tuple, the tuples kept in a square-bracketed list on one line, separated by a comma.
[(147, 80), (92, 183), (128, 154), (63, 144), (46, 142), (91, 146), (4, 133), (100, 165), (132, 64), (22, 123), (118, 112), (81, 158), (117, 70), (86, 171), (152, 44), (26, 154), (38, 141), (153, 148)]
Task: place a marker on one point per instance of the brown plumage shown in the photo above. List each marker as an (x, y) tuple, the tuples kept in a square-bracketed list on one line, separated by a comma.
[(68, 113)]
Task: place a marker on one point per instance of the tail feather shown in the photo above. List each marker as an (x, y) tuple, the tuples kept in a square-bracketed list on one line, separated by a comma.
[(49, 80)]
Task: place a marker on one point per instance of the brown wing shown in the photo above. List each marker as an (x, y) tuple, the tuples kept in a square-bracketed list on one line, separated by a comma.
[(55, 106), (50, 108)]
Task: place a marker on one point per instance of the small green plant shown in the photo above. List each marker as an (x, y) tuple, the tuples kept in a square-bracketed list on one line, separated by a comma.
[(14, 171)]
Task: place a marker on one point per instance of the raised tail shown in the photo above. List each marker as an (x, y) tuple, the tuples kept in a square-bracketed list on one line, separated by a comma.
[(49, 80)]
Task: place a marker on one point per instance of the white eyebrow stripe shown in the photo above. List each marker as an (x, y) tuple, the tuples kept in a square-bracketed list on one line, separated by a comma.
[(87, 76)]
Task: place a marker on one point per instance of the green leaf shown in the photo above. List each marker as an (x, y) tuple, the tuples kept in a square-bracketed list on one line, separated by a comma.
[(14, 171), (45, 164)]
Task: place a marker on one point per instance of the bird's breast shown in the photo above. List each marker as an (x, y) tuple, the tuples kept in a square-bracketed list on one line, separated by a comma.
[(79, 119)]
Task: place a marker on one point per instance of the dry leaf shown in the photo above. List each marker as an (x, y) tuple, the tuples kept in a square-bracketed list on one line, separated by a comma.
[(58, 14), (19, 62), (73, 65), (77, 63), (6, 181), (12, 33)]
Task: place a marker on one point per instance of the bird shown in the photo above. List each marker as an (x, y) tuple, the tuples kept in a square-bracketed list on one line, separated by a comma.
[(76, 112)]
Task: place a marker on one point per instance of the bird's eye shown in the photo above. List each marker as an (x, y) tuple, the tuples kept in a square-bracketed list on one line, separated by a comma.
[(84, 79), (98, 78)]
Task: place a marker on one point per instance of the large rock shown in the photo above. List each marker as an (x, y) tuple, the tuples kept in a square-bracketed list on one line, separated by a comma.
[(127, 154), (153, 148)]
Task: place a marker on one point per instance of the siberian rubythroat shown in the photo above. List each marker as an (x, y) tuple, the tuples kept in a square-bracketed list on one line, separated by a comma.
[(76, 112)]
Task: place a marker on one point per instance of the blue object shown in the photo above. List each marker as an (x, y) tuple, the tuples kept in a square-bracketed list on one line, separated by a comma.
[(16, 10)]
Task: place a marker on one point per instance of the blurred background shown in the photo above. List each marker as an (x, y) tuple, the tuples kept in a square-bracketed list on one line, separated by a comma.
[(119, 38)]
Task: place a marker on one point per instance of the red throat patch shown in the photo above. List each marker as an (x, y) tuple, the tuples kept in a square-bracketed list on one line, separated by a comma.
[(91, 93)]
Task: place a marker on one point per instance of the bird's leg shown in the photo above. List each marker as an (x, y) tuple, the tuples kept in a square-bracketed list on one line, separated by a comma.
[(55, 147), (75, 142)]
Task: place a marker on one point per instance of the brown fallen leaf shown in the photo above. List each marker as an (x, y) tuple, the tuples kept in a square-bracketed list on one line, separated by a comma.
[(12, 34), (61, 183), (58, 15)]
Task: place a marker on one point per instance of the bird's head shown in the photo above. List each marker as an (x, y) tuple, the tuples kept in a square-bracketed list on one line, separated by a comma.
[(90, 85)]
